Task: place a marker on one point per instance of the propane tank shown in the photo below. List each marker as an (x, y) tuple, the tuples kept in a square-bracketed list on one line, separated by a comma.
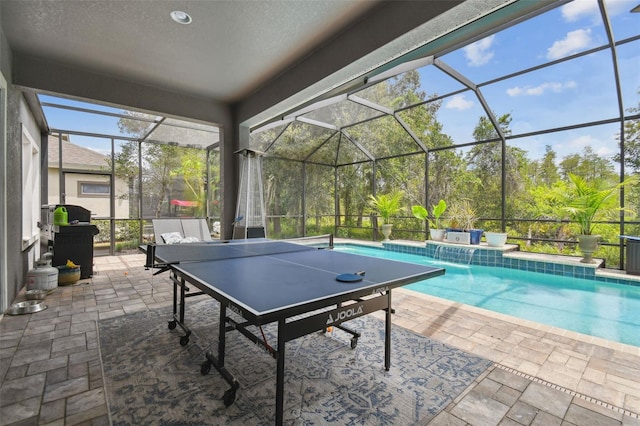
[(43, 276)]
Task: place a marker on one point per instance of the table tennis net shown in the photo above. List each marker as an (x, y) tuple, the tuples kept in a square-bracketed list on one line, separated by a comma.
[(184, 253), (318, 241)]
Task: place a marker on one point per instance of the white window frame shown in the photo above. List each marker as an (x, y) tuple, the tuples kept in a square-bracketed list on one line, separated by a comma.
[(82, 193), (30, 189)]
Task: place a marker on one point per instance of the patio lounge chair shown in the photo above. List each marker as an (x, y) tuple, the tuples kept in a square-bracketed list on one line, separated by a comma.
[(171, 231)]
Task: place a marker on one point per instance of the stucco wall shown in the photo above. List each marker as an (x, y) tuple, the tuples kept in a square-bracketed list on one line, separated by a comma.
[(98, 205), (18, 260), (5, 68)]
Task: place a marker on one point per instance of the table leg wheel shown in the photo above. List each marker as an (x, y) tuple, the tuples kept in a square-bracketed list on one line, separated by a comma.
[(354, 342), (229, 397), (172, 324), (184, 340), (205, 367)]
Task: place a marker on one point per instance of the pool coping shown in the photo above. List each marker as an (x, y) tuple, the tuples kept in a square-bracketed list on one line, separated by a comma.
[(509, 256)]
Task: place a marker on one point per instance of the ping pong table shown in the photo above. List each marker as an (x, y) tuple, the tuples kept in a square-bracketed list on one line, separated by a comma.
[(293, 285)]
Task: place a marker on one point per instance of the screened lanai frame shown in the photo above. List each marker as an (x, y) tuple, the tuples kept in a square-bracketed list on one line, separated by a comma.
[(280, 139), (133, 226)]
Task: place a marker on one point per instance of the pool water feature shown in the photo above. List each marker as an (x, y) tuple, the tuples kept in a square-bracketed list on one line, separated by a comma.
[(606, 310), (454, 254)]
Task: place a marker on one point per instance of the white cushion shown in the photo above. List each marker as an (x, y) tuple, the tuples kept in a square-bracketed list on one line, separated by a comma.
[(172, 237), (189, 240)]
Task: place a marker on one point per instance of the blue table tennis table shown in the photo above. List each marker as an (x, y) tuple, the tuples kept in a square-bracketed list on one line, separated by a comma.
[(293, 285)]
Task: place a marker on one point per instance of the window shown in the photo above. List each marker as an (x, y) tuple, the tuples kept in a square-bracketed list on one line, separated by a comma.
[(94, 189), (30, 188)]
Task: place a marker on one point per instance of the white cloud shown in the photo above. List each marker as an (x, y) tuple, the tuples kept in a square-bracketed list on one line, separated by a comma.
[(479, 53), (574, 41), (582, 141), (541, 89), (602, 148), (605, 151), (459, 102), (618, 7), (578, 9)]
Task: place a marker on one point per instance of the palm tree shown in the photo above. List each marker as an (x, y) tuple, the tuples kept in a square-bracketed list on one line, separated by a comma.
[(585, 202)]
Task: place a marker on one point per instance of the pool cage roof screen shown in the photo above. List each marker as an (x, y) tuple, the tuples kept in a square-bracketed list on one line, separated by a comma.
[(80, 118), (542, 79)]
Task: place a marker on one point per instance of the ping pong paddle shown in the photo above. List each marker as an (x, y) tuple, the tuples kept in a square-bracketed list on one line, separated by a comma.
[(350, 278)]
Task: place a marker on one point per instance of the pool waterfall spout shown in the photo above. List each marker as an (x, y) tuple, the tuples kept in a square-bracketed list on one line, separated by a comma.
[(462, 255)]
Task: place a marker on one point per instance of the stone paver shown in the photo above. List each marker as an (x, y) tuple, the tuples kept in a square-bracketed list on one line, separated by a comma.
[(51, 373), (479, 408), (17, 390)]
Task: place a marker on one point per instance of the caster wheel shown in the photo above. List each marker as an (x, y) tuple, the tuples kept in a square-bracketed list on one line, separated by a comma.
[(172, 325), (205, 367), (354, 342), (184, 340), (229, 397)]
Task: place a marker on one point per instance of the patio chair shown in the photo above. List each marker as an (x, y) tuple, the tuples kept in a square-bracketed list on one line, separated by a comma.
[(171, 231)]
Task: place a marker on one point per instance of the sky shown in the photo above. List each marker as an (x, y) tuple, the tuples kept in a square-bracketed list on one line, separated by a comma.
[(568, 93), (564, 94), (62, 119)]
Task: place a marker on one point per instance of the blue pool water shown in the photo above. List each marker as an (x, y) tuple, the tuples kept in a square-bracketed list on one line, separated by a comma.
[(610, 311)]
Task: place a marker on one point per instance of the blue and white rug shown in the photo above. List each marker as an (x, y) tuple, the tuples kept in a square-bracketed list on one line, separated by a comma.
[(151, 379)]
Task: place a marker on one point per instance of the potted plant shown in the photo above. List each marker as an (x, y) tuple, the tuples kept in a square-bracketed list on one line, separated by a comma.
[(462, 218), (586, 201), (453, 218), (387, 205), (436, 232)]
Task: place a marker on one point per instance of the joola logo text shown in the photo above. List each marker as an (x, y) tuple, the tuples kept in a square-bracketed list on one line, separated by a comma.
[(344, 314)]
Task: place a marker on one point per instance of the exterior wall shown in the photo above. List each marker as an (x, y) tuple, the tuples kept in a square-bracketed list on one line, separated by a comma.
[(25, 118), (98, 205), (18, 260), (5, 68)]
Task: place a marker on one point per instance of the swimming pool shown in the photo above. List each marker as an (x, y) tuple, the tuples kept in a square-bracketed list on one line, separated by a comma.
[(610, 311)]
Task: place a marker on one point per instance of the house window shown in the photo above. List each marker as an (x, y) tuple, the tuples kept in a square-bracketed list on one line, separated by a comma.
[(30, 188), (94, 189)]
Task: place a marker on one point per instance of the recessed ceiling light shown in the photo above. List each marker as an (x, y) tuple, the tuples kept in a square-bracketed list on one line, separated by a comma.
[(181, 17)]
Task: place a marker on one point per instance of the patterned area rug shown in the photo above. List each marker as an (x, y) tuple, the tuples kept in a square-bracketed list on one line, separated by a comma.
[(151, 379)]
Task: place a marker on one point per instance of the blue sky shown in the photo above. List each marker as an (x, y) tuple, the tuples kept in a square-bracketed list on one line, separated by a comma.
[(568, 93), (83, 122), (565, 94)]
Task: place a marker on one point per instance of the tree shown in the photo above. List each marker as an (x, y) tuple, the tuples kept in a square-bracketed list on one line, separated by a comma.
[(137, 125), (587, 165), (631, 142), (126, 168), (543, 205), (548, 169), (485, 167), (164, 165), (193, 172), (161, 161)]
